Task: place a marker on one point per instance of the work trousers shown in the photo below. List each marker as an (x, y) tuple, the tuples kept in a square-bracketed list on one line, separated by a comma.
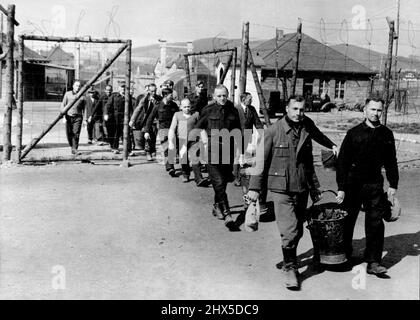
[(139, 141), (185, 161), (164, 149), (105, 126), (371, 195), (94, 130), (115, 133), (150, 144), (290, 210), (220, 175), (73, 128)]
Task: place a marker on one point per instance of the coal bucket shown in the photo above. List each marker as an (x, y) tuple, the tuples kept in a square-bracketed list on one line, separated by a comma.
[(326, 225)]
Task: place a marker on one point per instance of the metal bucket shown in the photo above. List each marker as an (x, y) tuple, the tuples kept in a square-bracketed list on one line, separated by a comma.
[(327, 234)]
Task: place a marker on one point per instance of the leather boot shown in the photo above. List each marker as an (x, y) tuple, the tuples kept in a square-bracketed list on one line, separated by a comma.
[(217, 211), (290, 269), (229, 222)]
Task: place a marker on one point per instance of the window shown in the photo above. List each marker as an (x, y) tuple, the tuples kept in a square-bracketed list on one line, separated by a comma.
[(323, 86), (339, 88)]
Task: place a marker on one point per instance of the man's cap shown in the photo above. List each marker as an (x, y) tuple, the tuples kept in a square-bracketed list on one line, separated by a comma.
[(168, 83), (91, 90), (200, 82)]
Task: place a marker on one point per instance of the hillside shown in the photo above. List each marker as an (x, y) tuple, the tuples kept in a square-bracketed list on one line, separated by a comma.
[(372, 59), (205, 44)]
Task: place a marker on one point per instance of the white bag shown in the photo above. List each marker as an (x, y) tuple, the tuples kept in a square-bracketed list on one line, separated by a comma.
[(252, 216)]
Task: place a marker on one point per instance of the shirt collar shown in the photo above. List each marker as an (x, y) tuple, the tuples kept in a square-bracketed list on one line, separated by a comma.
[(366, 126), (286, 126)]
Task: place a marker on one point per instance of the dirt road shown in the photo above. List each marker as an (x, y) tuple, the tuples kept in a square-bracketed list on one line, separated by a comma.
[(110, 232)]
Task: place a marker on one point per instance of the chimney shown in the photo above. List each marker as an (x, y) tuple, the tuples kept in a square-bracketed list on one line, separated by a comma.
[(189, 50), (190, 47), (163, 55)]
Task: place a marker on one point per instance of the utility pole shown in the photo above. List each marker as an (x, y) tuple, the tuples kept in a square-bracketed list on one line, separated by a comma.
[(1, 69), (77, 62), (397, 34), (386, 95), (244, 57), (296, 67), (233, 75), (127, 104), (10, 73), (263, 104), (277, 59)]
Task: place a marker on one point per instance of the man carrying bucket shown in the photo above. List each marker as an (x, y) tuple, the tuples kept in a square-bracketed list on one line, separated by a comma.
[(289, 170), (367, 148)]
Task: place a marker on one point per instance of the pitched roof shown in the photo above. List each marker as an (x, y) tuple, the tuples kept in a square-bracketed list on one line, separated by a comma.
[(57, 53), (258, 60), (314, 56), (373, 59), (31, 55)]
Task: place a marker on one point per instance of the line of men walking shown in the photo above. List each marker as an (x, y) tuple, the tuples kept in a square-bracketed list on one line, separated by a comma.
[(219, 134)]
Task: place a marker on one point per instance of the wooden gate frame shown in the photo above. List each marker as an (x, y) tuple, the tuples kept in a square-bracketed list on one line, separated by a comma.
[(232, 57), (20, 154)]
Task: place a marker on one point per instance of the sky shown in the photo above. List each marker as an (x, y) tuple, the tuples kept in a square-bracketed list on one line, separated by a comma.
[(331, 22)]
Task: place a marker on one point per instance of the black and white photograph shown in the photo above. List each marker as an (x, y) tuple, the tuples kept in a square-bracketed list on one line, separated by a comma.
[(191, 150)]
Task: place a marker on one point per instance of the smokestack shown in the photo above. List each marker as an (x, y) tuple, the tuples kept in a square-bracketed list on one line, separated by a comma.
[(163, 55), (190, 49), (189, 46)]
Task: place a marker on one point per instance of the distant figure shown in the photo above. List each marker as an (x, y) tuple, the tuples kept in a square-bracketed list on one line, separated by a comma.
[(139, 119), (326, 104), (163, 112), (170, 85), (104, 99), (94, 117), (198, 98), (114, 116), (73, 117)]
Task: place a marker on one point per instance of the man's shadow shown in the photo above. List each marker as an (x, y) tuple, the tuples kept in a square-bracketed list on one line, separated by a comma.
[(397, 247)]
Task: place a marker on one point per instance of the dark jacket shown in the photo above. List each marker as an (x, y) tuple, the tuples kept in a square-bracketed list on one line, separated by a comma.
[(104, 99), (363, 153), (163, 113), (217, 117), (115, 108), (198, 102), (287, 169), (143, 111), (248, 121), (93, 109)]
